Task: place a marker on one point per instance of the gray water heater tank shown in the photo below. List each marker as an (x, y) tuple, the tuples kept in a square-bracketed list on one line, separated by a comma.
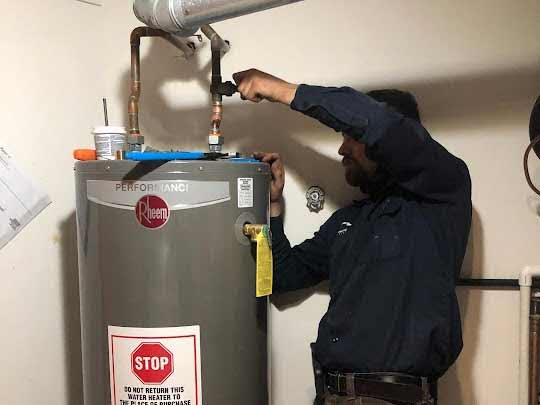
[(169, 312)]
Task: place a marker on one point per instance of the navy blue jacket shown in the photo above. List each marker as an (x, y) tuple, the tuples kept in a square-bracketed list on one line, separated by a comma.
[(392, 259)]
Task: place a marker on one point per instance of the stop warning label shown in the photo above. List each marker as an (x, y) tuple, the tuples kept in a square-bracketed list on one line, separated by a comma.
[(155, 366), (152, 363)]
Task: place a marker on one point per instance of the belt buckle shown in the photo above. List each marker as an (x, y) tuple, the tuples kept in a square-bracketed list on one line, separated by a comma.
[(348, 388), (336, 388), (339, 390), (427, 400), (349, 383)]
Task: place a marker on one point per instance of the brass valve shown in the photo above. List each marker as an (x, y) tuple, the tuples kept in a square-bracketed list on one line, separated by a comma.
[(252, 231)]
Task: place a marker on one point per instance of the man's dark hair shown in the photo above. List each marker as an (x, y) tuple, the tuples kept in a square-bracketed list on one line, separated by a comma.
[(401, 101)]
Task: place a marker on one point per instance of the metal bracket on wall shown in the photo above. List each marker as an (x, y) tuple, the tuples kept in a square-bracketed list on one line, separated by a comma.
[(315, 197)]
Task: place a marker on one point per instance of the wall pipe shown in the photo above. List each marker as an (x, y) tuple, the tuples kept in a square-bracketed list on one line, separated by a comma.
[(529, 278), (534, 341), (135, 139), (497, 283), (525, 283)]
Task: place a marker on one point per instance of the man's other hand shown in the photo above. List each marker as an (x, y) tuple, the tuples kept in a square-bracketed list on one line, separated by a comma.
[(278, 180), (256, 86)]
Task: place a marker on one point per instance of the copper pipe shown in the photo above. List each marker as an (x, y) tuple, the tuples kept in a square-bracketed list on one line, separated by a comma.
[(533, 378), (216, 118), (135, 86), (133, 106), (534, 349)]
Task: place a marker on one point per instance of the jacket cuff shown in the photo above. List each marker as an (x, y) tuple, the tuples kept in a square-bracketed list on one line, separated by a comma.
[(305, 97), (276, 226)]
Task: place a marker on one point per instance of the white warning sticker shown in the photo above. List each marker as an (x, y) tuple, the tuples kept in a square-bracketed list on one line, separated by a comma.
[(245, 193), (155, 366)]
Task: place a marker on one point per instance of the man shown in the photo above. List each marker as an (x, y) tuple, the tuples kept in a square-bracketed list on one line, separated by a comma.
[(392, 259)]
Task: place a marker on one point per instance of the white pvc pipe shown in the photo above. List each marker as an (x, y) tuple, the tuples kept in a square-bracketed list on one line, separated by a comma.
[(525, 285)]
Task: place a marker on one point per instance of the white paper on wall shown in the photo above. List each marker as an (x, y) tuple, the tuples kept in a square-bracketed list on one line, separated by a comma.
[(21, 200)]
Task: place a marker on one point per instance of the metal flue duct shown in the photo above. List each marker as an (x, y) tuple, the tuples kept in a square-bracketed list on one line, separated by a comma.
[(185, 17)]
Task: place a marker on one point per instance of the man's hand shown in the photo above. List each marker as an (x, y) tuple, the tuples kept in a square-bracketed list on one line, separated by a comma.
[(256, 86), (278, 181)]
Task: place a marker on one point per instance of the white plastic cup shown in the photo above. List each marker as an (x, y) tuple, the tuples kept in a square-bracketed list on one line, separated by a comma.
[(108, 140)]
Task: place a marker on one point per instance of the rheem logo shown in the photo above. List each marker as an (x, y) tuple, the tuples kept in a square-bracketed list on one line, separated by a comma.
[(152, 363), (152, 212)]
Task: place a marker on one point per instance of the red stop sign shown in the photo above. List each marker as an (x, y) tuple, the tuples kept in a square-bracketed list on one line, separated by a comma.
[(152, 363)]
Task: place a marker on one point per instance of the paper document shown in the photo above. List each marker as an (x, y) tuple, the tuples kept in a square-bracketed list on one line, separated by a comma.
[(20, 199)]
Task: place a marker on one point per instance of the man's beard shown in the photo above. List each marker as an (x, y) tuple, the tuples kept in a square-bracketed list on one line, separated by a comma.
[(357, 177), (369, 183)]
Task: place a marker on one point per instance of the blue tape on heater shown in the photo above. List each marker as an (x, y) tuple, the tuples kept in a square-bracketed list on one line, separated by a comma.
[(146, 156), (243, 160)]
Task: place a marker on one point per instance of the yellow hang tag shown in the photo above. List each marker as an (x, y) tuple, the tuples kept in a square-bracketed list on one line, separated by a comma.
[(265, 265)]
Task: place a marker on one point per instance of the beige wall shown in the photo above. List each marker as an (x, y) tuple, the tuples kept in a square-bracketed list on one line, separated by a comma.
[(51, 84), (474, 66)]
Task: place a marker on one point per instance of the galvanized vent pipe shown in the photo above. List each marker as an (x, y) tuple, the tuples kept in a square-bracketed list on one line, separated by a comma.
[(185, 17)]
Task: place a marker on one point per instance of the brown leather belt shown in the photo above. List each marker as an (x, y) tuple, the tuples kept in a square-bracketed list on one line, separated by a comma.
[(392, 387)]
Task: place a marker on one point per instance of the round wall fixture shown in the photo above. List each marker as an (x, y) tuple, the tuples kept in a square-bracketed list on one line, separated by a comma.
[(534, 136), (315, 198)]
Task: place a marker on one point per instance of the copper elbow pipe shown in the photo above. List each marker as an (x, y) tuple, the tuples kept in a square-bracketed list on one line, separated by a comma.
[(135, 90), (135, 86)]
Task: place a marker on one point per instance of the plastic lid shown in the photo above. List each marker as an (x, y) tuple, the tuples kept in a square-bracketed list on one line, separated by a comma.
[(85, 154), (109, 130)]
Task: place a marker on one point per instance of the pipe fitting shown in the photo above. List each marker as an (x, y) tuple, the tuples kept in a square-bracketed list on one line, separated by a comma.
[(527, 275), (217, 116), (216, 42), (215, 139), (252, 231)]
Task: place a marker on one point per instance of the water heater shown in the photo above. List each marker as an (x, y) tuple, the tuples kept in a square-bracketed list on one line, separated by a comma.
[(169, 311)]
